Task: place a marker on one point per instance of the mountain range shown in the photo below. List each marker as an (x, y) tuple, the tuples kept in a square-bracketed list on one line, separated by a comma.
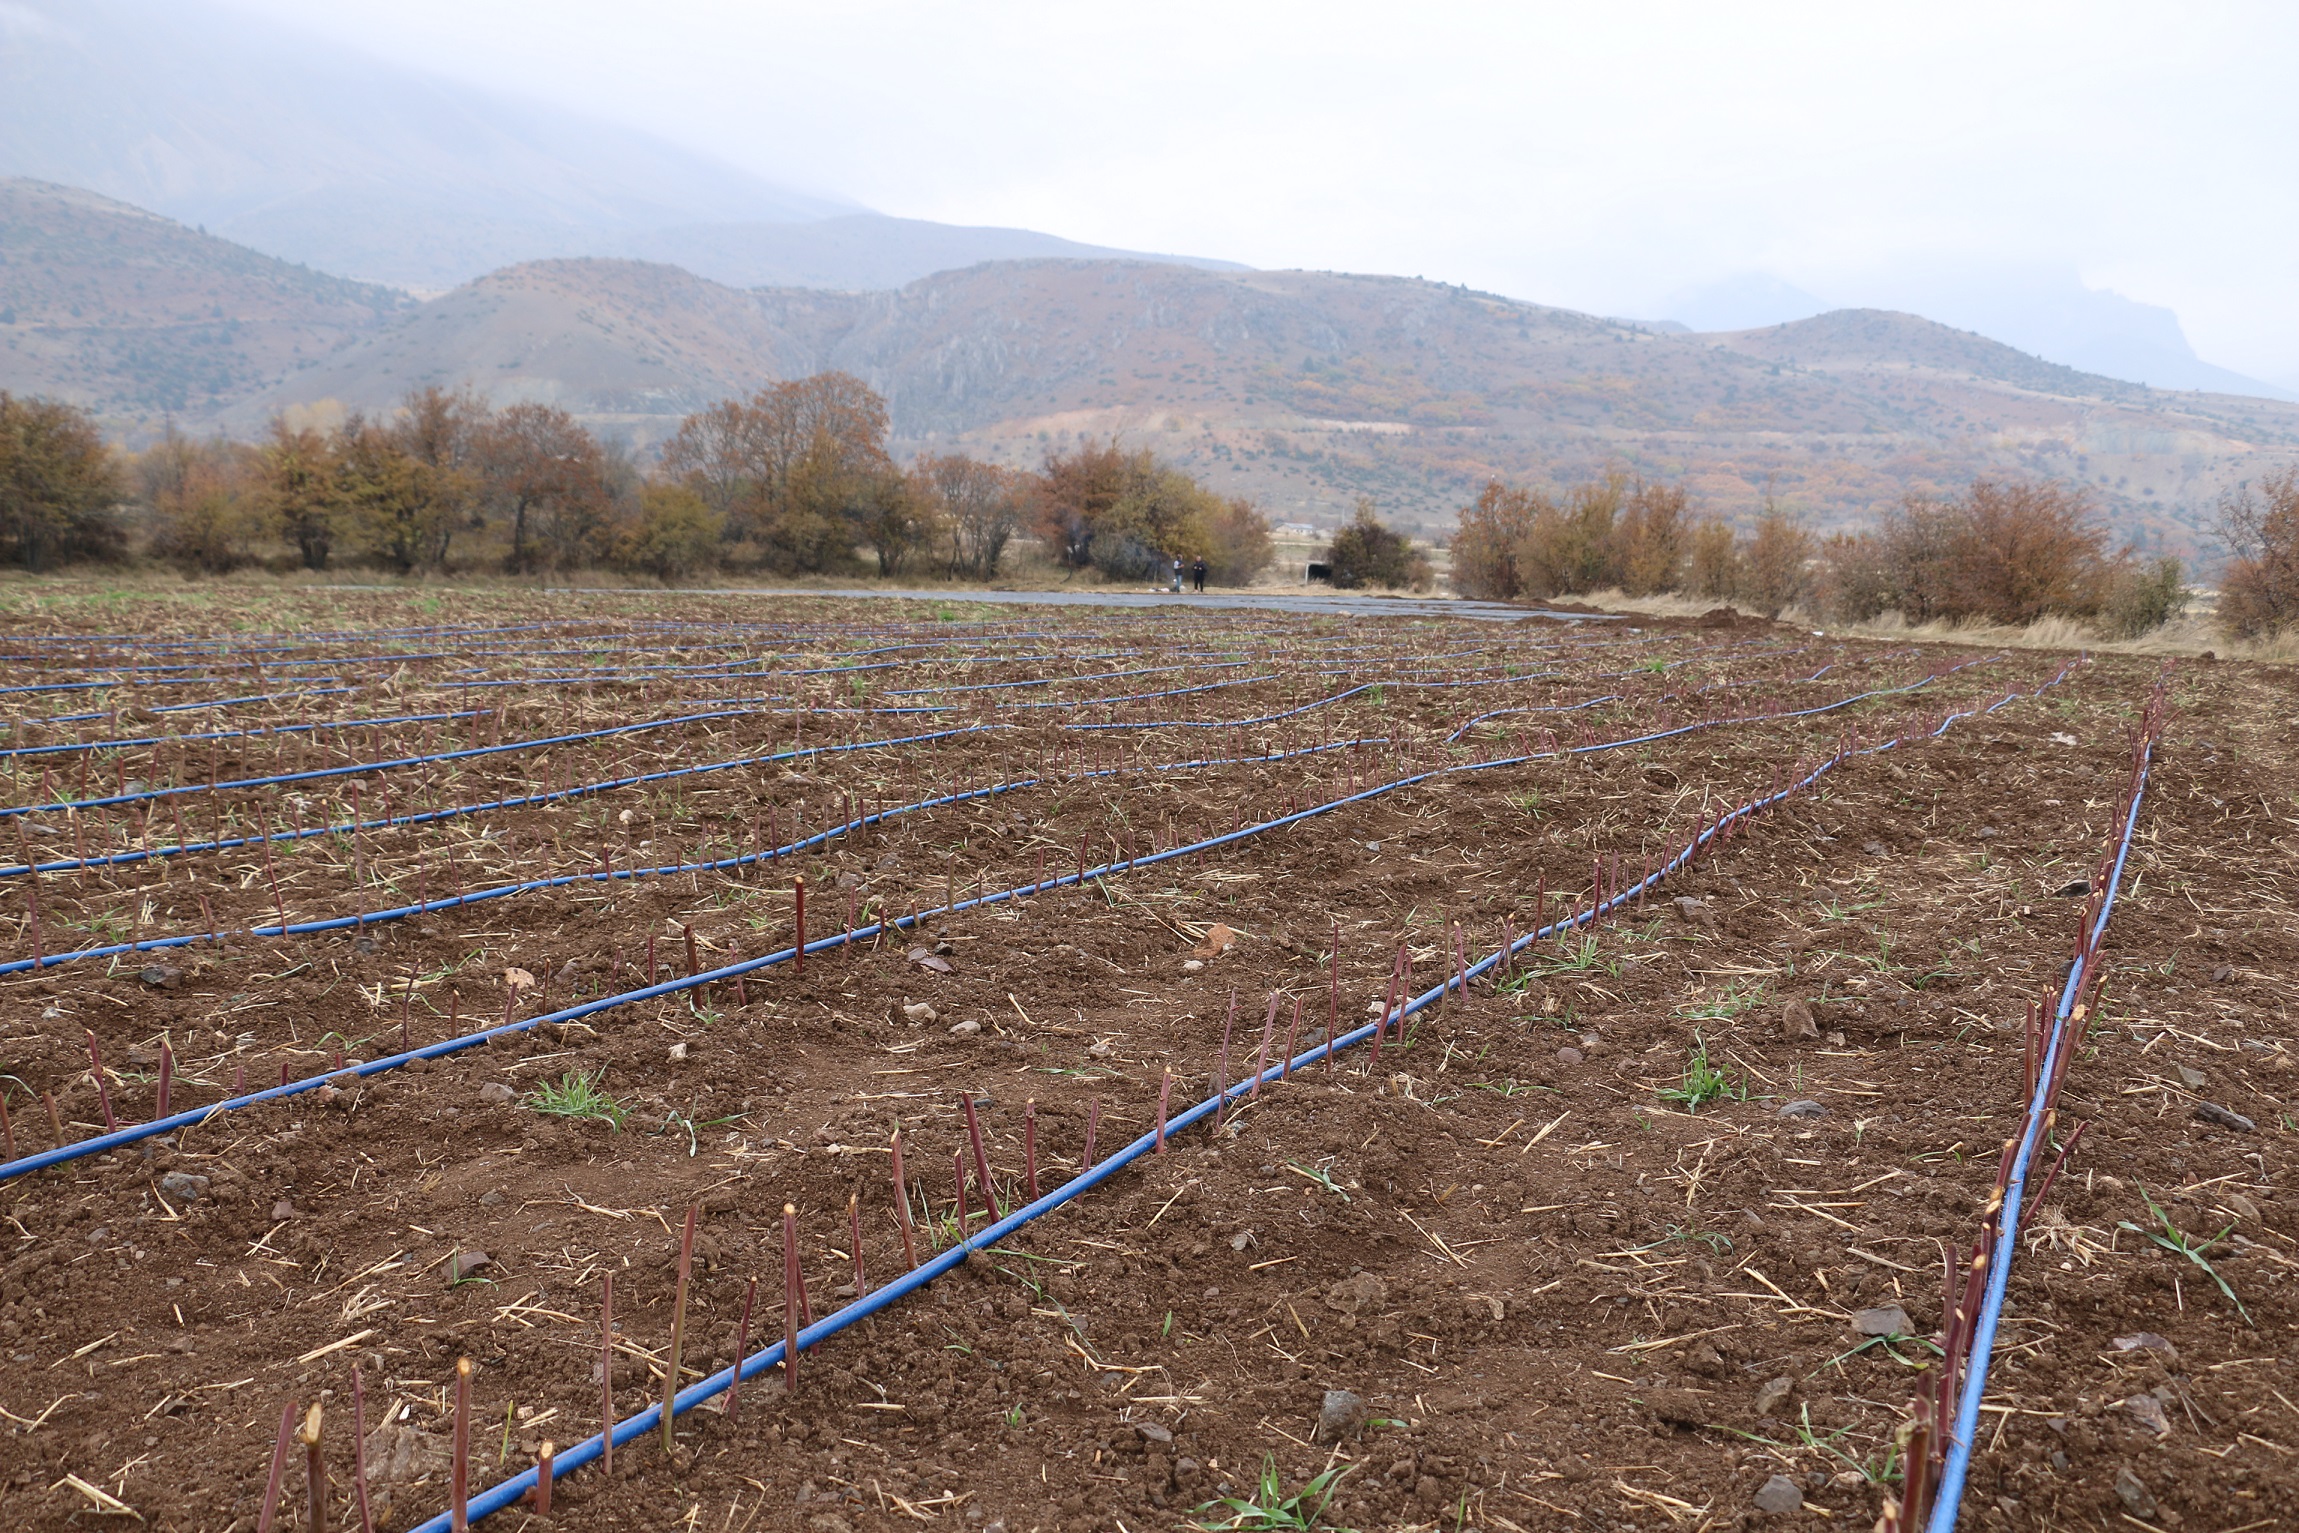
[(1302, 389), (205, 219)]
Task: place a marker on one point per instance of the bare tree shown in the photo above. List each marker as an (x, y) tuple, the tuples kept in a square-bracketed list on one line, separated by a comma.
[(979, 506)]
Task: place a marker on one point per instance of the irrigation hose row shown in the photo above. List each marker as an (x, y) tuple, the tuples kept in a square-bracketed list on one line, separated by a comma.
[(511, 1491), (1963, 1441)]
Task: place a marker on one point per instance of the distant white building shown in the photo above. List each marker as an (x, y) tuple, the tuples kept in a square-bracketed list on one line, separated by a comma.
[(1299, 530)]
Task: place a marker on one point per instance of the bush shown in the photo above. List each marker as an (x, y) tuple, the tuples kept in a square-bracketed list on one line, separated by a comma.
[(2259, 592), (59, 488), (1651, 537), (1485, 547), (673, 535), (1369, 553), (1714, 560), (2001, 553), (1236, 544), (1569, 548), (2142, 597), (1775, 571), (207, 515)]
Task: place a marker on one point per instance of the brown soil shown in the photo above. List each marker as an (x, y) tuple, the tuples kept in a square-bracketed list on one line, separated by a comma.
[(1562, 1292)]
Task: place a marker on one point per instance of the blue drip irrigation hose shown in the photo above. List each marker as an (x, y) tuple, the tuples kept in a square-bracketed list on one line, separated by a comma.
[(609, 875), (137, 1132), (361, 768), (1963, 1439), (631, 1429)]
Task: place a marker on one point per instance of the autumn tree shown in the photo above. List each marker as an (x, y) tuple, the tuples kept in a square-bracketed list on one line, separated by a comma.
[(796, 470), (1485, 546), (59, 485), (298, 490), (1078, 490), (546, 480), (2259, 591), (206, 503), (1237, 542), (977, 507)]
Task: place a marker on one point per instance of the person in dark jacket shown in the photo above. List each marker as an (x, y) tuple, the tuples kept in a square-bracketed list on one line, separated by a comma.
[(1197, 572)]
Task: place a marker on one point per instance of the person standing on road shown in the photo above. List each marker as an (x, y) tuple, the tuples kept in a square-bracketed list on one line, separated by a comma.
[(1197, 572), (1177, 574)]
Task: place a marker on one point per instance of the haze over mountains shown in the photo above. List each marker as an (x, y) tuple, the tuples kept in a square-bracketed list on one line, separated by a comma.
[(534, 254)]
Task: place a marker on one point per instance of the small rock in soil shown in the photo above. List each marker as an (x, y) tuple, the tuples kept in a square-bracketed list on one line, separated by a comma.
[(496, 1094), (183, 1186), (919, 1011), (1876, 849), (1192, 965), (2148, 1341), (1780, 1496), (1340, 1416), (1796, 1022), (160, 977), (1569, 1055), (283, 1209), (1803, 1108), (1152, 1432), (926, 959), (1773, 1393), (678, 1052), (2221, 974), (1361, 1290), (2134, 1493), (2212, 1112), (2195, 1079), (2243, 1207), (2073, 889), (1692, 912), (467, 1263), (964, 1029), (1884, 1320), (2148, 1412)]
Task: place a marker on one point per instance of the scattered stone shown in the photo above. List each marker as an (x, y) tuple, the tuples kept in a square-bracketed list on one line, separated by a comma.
[(2212, 1112), (2222, 973), (2150, 1342), (283, 1209), (678, 1051), (965, 1029), (920, 1012), (160, 977), (1374, 847), (1693, 912), (1219, 940), (1568, 1055), (2242, 1207), (2073, 889), (1803, 1108), (1796, 1024), (1342, 1414), (496, 1094), (1883, 1320), (2192, 1078), (183, 1186), (1360, 1290), (1152, 1432), (1780, 1497), (1989, 833), (2147, 1410), (1773, 1394), (2134, 1493), (465, 1263), (1876, 849), (491, 1199), (1191, 965), (518, 979), (927, 958)]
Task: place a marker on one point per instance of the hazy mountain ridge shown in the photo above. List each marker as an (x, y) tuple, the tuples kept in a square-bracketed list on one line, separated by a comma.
[(1303, 389), (136, 316)]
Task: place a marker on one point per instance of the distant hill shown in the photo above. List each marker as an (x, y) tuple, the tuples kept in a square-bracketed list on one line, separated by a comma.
[(1303, 389), (1307, 389), (138, 317)]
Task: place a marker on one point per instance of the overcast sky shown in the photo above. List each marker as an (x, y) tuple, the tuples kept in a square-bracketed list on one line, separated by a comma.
[(1605, 158)]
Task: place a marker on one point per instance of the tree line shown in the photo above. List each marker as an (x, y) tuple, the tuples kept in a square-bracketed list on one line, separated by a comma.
[(1998, 552), (797, 479)]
